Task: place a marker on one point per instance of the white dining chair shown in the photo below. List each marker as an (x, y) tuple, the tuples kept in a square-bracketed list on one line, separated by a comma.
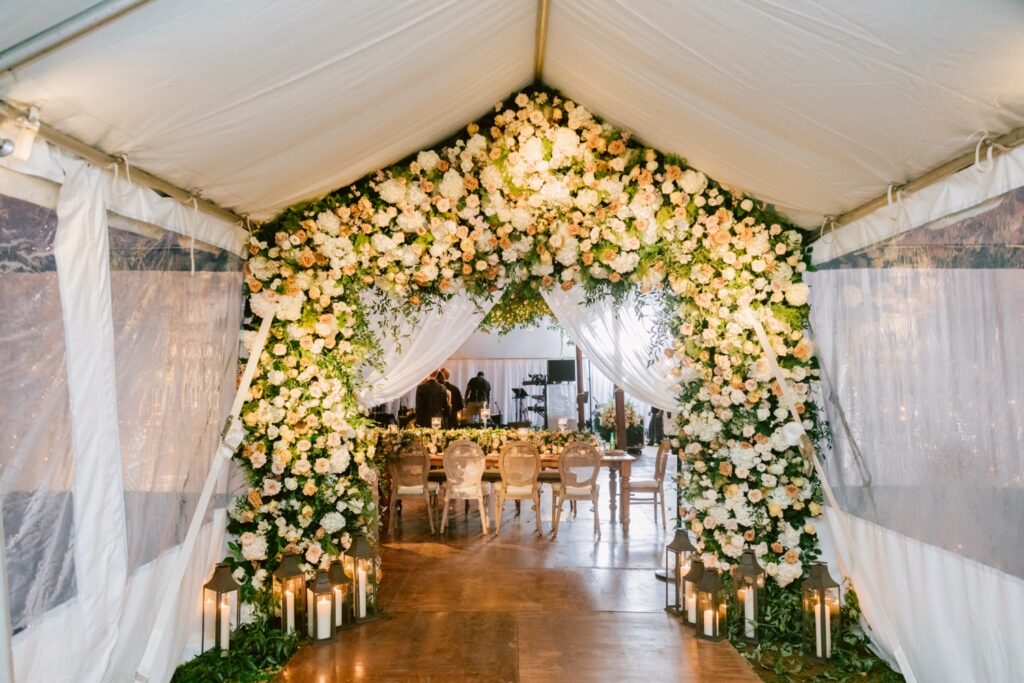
[(464, 464), (578, 467), (519, 468)]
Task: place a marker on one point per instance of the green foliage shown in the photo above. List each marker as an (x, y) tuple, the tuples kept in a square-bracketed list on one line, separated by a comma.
[(780, 656), (520, 307), (258, 651)]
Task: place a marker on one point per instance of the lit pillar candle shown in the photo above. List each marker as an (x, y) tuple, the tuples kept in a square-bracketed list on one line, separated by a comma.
[(323, 617), (748, 612), (310, 604), (691, 604), (523, 432), (225, 623), (709, 627), (822, 649), (289, 611), (362, 592), (339, 603), (209, 625)]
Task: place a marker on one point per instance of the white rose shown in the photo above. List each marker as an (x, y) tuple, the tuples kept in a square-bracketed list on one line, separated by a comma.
[(796, 294)]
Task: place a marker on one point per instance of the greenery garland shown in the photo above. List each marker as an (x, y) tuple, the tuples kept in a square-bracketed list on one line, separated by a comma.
[(539, 194)]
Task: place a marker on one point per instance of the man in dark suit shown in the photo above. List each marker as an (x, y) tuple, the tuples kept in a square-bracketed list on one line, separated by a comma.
[(443, 376), (431, 402), (478, 395)]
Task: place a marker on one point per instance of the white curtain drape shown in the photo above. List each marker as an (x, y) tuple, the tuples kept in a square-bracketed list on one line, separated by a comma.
[(118, 358), (919, 340), (617, 340), (413, 347)]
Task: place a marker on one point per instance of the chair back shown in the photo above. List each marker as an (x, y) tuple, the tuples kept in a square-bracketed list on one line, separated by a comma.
[(519, 464), (661, 460), (579, 464), (463, 464), (413, 466)]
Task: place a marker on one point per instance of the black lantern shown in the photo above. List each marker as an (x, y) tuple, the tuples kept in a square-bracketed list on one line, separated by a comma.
[(690, 581), (821, 611), (339, 582), (320, 608), (678, 555), (290, 591), (361, 567), (712, 605), (221, 609), (748, 580)]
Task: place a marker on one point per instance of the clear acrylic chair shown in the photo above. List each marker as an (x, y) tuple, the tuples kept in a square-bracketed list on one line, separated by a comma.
[(519, 467), (578, 467), (409, 480), (656, 486), (464, 465)]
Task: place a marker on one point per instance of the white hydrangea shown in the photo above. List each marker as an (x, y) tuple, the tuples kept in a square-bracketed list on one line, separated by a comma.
[(428, 160), (333, 522), (452, 186), (254, 546), (392, 190)]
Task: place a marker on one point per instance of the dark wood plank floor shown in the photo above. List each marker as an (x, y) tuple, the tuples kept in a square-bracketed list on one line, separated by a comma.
[(518, 607)]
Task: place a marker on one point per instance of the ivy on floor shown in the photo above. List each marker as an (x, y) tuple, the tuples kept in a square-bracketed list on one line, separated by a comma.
[(779, 657), (258, 651)]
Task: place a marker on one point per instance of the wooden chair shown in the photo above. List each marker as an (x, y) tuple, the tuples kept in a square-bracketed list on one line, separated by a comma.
[(519, 466), (464, 464), (656, 486), (578, 466), (409, 480)]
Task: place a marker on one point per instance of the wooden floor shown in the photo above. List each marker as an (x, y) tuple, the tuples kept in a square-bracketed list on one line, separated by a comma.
[(519, 607)]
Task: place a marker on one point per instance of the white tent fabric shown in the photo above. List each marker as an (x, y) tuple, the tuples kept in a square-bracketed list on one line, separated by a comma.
[(121, 354), (617, 339), (415, 346), (815, 106), (918, 339)]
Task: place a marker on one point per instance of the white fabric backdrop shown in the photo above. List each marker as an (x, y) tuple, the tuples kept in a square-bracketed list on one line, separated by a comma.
[(924, 387), (418, 346), (617, 340)]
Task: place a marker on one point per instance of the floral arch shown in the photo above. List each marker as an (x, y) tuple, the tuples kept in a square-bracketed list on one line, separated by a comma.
[(539, 194)]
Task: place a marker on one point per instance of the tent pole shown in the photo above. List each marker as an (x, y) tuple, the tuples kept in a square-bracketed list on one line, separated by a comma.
[(100, 158), (1000, 144), (6, 658), (541, 40), (69, 30)]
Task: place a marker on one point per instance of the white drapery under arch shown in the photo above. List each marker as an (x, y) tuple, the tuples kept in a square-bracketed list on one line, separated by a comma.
[(617, 340), (417, 345)]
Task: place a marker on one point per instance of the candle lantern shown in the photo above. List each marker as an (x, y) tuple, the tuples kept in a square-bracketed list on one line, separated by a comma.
[(435, 422), (712, 604), (485, 415), (748, 580), (290, 589), (221, 609), (339, 583), (524, 432), (678, 555), (690, 581), (361, 567), (563, 424), (821, 611), (320, 608)]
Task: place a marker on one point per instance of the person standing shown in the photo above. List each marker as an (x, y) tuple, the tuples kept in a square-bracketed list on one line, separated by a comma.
[(455, 411), (478, 394), (431, 402)]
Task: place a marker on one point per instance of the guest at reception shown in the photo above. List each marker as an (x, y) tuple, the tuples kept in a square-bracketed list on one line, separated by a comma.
[(431, 401), (478, 395), (455, 412)]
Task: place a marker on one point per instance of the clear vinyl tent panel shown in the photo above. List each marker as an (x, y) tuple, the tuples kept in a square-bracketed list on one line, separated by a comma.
[(35, 438), (920, 337)]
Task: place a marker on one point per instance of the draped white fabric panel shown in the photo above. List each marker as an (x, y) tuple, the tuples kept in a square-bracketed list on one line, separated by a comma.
[(924, 387), (617, 339), (121, 357)]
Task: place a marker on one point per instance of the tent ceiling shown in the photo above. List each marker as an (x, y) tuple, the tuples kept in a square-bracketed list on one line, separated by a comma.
[(814, 106)]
